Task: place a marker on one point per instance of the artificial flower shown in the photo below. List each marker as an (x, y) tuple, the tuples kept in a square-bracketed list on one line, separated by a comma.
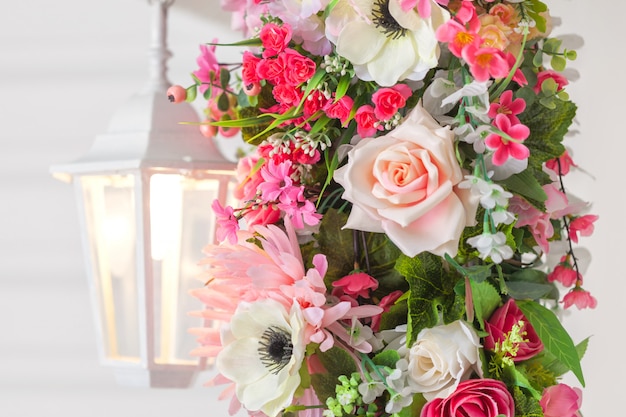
[(404, 184), (384, 43), (561, 400), (263, 351), (474, 397), (500, 327), (580, 298), (442, 357)]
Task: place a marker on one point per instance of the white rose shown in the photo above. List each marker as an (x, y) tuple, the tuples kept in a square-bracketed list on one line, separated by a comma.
[(442, 357)]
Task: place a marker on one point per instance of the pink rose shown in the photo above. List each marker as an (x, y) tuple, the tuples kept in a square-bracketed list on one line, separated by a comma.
[(474, 397), (387, 101), (404, 184), (298, 68), (561, 401), (274, 38), (287, 94), (500, 324)]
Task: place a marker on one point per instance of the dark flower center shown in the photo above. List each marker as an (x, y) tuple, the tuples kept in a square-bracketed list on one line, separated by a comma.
[(383, 19), (275, 349)]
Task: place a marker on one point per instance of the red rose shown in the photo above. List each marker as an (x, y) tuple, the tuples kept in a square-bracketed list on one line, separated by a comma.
[(474, 397), (274, 39), (502, 321), (298, 68)]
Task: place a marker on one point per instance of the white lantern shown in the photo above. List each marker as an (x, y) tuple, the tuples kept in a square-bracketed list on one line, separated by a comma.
[(144, 193)]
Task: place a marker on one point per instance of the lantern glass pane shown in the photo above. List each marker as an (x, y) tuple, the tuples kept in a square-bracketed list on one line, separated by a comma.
[(181, 224), (112, 235)]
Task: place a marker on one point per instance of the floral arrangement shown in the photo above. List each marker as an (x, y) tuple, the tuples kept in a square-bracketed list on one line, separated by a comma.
[(403, 235)]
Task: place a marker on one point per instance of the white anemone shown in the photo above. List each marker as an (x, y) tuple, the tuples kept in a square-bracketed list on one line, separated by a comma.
[(262, 354), (384, 43)]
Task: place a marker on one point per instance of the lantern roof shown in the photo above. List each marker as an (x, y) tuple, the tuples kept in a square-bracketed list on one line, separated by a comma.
[(149, 131)]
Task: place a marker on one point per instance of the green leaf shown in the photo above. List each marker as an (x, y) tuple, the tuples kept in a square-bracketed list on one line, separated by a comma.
[(558, 368), (558, 63), (387, 358), (527, 185), (342, 87), (486, 299), (528, 290), (432, 292), (224, 78), (223, 104), (246, 42), (555, 338), (192, 92), (548, 127), (312, 84), (337, 362)]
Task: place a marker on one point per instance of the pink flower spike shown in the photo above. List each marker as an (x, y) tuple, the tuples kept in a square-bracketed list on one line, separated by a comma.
[(580, 298), (582, 225), (357, 284)]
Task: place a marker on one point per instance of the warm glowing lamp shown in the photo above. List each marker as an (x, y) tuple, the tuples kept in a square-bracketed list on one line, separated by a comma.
[(144, 192)]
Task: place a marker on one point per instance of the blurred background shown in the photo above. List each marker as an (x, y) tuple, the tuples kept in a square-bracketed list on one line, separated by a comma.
[(65, 67)]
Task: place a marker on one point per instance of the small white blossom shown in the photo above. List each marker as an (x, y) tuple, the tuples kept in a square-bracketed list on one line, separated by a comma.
[(491, 195), (491, 246), (501, 216)]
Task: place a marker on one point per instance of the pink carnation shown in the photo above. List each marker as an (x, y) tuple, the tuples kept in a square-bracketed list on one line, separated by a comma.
[(366, 122), (340, 109), (387, 101), (274, 38)]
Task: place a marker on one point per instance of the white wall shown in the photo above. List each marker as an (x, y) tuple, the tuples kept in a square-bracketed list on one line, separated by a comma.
[(64, 69)]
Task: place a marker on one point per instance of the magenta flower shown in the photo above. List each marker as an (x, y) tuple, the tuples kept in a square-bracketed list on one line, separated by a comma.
[(560, 80), (274, 38), (508, 146), (461, 31), (358, 284), (208, 65), (366, 122), (580, 298), (277, 180), (474, 397), (298, 208), (582, 225), (500, 325), (388, 100), (561, 401), (507, 106)]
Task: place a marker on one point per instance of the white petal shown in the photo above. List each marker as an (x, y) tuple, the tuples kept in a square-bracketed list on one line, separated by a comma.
[(239, 361), (359, 42), (395, 58)]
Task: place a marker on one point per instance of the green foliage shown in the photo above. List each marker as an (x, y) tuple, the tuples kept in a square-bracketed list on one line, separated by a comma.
[(339, 247), (486, 299), (526, 406), (432, 292), (337, 362), (558, 368), (386, 358), (555, 338), (530, 283)]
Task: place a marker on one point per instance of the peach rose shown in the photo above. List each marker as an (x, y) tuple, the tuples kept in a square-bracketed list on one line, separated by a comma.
[(404, 184)]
